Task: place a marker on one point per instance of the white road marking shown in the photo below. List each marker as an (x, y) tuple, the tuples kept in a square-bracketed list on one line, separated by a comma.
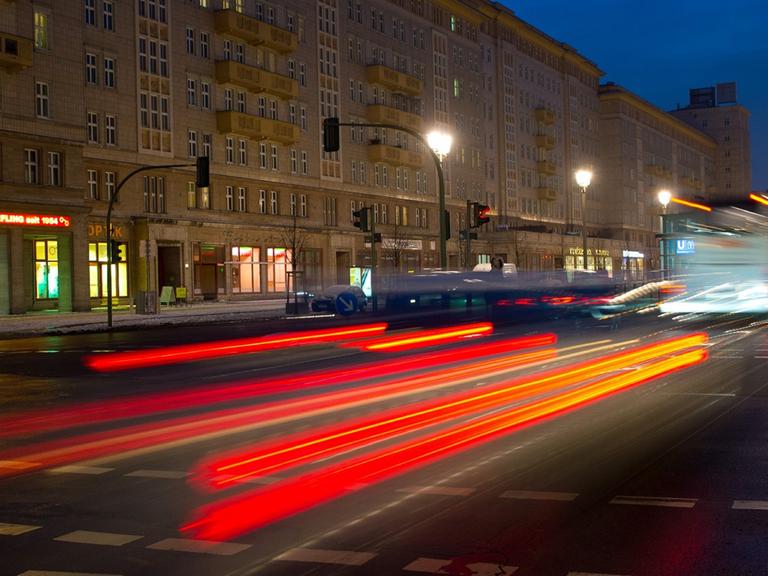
[(56, 573), (750, 505), (99, 538), (345, 557), (540, 495), (16, 529), (762, 357), (655, 501), (199, 546), (438, 490), (438, 566), (75, 469), (16, 465), (158, 474)]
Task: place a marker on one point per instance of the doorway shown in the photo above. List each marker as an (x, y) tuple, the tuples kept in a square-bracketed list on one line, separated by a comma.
[(343, 262), (169, 266)]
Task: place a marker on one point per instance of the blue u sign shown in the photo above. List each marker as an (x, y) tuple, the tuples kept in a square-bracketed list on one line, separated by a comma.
[(685, 246)]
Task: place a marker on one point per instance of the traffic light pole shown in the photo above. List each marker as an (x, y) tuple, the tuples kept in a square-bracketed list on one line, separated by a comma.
[(112, 201), (440, 181)]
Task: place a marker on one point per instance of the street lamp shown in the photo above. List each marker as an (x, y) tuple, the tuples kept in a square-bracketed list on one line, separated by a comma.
[(664, 197), (583, 179), (440, 143)]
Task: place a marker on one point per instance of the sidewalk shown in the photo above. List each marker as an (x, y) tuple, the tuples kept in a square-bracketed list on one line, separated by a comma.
[(52, 323)]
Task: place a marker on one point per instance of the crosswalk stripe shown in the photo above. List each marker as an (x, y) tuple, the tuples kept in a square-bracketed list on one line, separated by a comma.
[(344, 557), (16, 529), (99, 538), (539, 495), (199, 546), (655, 501), (456, 566)]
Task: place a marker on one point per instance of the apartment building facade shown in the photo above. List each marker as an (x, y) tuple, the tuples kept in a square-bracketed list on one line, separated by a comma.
[(116, 86)]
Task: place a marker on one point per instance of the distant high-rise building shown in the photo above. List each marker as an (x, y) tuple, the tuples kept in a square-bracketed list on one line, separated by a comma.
[(715, 111)]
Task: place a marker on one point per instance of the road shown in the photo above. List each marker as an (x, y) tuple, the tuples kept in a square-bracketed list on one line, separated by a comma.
[(496, 454)]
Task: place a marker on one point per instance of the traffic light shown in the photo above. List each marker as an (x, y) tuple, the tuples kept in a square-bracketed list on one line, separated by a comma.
[(361, 220), (331, 135), (203, 179), (481, 214), (115, 251)]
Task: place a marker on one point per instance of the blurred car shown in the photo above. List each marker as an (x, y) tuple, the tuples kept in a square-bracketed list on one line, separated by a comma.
[(327, 300)]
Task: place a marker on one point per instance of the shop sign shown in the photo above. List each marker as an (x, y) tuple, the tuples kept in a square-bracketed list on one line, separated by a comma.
[(35, 220), (684, 246), (401, 244), (100, 231), (590, 252), (632, 254)]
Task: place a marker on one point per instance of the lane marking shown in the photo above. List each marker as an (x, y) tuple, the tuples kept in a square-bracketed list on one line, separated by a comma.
[(438, 490), (655, 501), (76, 469), (438, 566), (99, 538), (345, 557), (539, 495), (199, 546), (750, 505), (158, 474), (17, 465), (16, 529), (56, 573)]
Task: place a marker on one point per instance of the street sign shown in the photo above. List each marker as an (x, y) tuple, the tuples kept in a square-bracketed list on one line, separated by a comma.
[(346, 303)]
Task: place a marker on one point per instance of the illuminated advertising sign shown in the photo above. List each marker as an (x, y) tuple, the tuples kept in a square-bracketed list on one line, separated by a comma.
[(35, 220), (685, 246)]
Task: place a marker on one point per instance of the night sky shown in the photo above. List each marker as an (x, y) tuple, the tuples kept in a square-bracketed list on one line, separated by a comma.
[(661, 48)]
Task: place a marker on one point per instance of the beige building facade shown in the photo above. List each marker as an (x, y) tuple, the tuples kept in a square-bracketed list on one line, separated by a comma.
[(92, 90)]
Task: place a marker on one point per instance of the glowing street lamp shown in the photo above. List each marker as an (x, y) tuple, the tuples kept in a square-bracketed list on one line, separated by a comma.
[(584, 179), (440, 144), (664, 197)]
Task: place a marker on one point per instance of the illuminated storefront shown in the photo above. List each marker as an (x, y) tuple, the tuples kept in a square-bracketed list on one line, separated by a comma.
[(597, 259)]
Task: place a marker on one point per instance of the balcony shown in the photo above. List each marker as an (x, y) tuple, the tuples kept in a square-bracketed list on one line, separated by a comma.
[(394, 80), (256, 80), (546, 167), (546, 193), (379, 114), (546, 142), (394, 156), (255, 31), (15, 52), (256, 127), (545, 116)]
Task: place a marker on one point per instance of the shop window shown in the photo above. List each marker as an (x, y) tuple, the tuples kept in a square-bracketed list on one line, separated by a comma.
[(46, 269), (246, 275), (278, 266), (97, 269)]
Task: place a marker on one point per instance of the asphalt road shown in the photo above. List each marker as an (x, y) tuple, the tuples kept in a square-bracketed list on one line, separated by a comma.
[(665, 477)]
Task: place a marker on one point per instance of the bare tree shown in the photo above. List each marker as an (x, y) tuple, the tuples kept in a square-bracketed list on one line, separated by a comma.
[(393, 248), (294, 239)]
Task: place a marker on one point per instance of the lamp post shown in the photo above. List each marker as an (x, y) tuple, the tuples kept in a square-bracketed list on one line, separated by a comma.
[(440, 143), (664, 197), (583, 179)]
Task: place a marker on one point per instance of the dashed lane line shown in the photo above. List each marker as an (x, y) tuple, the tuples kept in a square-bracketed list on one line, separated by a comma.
[(76, 469), (199, 546), (438, 566), (750, 505), (98, 538), (172, 474), (343, 557), (16, 529), (438, 490), (655, 501), (539, 495)]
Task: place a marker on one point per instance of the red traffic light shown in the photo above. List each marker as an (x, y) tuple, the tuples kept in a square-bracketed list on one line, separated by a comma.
[(481, 214)]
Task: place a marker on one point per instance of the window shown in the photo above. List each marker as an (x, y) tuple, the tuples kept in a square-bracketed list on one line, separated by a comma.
[(154, 194), (304, 163), (191, 195), (228, 99), (204, 45), (227, 50), (110, 129), (205, 95), (241, 102), (90, 68), (230, 195), (273, 109), (165, 114), (191, 92), (246, 269), (261, 108), (294, 162), (262, 155), (240, 53), (302, 74), (93, 185), (42, 108), (90, 12), (143, 54), (208, 145), (303, 119), (230, 150), (42, 33), (54, 168), (98, 261), (262, 201), (303, 206), (274, 204), (93, 127), (192, 143), (293, 204), (243, 152), (109, 72), (292, 69), (275, 162), (108, 15), (110, 179), (242, 199), (190, 41), (164, 59), (46, 269)]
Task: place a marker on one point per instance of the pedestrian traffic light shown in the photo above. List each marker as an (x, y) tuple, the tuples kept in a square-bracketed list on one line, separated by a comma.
[(360, 220), (202, 179), (331, 135), (115, 251), (481, 214)]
